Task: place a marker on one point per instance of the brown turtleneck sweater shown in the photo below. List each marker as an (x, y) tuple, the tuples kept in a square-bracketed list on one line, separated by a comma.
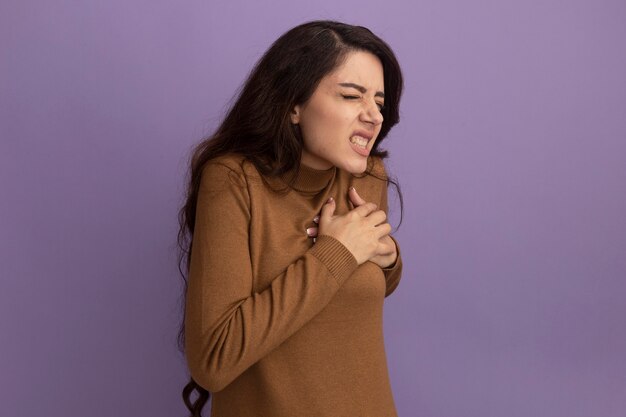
[(275, 324)]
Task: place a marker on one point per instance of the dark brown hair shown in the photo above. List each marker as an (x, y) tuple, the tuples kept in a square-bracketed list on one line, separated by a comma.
[(258, 125)]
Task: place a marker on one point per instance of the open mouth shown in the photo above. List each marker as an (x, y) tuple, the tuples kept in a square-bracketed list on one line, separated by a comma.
[(359, 144), (359, 141)]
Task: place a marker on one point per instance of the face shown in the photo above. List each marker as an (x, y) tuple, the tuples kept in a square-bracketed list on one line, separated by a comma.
[(341, 120)]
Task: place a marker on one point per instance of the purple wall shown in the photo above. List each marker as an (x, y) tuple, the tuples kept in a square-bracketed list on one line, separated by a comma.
[(511, 153)]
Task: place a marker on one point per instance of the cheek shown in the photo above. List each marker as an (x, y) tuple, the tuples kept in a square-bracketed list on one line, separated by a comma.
[(319, 144), (325, 127), (324, 120)]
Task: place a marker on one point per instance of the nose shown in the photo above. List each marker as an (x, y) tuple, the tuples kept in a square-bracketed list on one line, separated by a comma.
[(371, 114)]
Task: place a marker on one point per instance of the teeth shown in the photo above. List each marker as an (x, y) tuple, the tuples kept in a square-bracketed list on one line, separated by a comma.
[(359, 141)]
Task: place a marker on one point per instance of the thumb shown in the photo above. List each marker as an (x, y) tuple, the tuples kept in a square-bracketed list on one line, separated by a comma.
[(328, 210), (355, 198)]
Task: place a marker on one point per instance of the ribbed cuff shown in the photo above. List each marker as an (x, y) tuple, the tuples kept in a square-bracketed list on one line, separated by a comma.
[(337, 258)]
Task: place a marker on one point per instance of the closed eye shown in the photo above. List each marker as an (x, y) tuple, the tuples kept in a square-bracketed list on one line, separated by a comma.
[(381, 106)]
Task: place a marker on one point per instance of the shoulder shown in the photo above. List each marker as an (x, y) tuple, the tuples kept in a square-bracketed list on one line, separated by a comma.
[(375, 173), (233, 167), (376, 167), (224, 163), (372, 183), (223, 190), (229, 171)]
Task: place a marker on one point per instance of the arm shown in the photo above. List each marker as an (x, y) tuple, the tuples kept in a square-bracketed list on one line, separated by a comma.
[(228, 327), (392, 272)]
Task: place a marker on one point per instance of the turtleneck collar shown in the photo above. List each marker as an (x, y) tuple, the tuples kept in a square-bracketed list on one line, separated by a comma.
[(312, 180)]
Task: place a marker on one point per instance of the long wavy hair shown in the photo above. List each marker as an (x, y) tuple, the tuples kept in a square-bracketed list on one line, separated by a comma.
[(258, 125)]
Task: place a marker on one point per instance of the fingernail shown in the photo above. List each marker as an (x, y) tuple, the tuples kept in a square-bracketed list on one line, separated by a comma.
[(316, 219), (314, 239), (352, 188), (310, 231), (330, 200)]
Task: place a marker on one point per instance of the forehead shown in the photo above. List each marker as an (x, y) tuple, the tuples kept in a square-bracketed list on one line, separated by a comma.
[(363, 68)]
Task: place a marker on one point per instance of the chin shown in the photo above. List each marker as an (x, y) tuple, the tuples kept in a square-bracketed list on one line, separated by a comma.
[(355, 167)]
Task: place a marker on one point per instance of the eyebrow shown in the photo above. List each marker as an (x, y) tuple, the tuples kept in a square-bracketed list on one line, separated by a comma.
[(362, 89)]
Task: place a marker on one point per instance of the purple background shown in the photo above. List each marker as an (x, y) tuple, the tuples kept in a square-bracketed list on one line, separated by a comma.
[(511, 153)]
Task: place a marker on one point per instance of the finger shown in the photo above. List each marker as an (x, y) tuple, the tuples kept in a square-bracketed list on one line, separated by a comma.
[(328, 209), (355, 198), (316, 219), (386, 246), (375, 218), (365, 209), (311, 232), (382, 230)]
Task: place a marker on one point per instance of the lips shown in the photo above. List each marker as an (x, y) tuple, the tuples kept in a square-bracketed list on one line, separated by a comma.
[(361, 138), (359, 142), (364, 134)]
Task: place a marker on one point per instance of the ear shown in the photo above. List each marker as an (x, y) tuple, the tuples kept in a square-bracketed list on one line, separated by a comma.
[(295, 114)]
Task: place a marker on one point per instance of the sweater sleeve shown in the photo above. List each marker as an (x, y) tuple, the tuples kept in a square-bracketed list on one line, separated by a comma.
[(228, 327), (392, 272)]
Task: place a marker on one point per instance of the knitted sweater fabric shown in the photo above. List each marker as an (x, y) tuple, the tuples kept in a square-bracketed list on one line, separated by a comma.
[(276, 324)]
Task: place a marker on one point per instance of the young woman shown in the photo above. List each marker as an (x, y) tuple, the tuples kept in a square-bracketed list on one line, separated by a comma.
[(285, 238)]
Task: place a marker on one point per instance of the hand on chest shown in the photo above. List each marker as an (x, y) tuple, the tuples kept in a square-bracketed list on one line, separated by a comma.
[(278, 228)]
